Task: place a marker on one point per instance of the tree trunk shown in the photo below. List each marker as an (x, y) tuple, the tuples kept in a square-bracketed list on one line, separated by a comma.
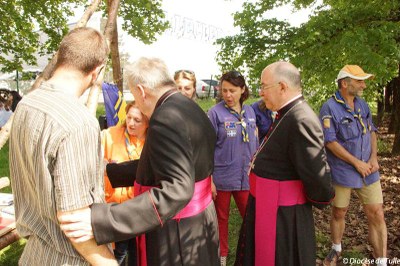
[(115, 59), (381, 107), (392, 121), (396, 117), (48, 70), (388, 98), (108, 33)]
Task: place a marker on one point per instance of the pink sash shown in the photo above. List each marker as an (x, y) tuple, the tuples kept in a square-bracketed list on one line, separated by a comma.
[(269, 195), (201, 199)]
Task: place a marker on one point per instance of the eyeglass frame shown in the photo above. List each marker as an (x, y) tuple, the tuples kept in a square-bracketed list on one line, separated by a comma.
[(264, 87)]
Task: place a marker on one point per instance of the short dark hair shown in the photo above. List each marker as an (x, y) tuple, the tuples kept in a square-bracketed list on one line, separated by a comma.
[(235, 78)]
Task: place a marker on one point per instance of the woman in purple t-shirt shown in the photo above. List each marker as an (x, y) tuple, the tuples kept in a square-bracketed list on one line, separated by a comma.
[(237, 140)]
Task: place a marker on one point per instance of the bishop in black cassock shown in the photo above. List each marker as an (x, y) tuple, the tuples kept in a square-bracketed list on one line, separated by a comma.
[(289, 174)]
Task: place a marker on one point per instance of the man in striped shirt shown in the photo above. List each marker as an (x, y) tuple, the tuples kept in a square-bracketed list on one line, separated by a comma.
[(55, 156)]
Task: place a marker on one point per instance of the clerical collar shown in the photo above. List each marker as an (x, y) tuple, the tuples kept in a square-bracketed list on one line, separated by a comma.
[(289, 105), (165, 96)]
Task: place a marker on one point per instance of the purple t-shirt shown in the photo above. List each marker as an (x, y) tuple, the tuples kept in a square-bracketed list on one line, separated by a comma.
[(341, 126), (263, 120), (232, 155)]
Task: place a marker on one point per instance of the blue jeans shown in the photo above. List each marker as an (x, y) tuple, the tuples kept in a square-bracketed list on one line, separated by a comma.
[(123, 248)]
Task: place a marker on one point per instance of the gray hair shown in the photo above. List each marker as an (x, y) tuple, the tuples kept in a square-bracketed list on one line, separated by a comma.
[(339, 82), (284, 71), (151, 73)]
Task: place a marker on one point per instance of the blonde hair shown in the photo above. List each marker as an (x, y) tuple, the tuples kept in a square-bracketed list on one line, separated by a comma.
[(189, 75)]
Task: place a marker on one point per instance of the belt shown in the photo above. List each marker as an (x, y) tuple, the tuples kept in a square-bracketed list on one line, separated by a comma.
[(201, 199), (269, 195)]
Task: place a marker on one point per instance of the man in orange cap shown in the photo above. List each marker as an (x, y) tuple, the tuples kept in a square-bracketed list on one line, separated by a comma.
[(351, 142)]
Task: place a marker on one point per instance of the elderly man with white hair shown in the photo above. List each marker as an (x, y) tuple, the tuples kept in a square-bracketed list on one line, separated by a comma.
[(172, 211)]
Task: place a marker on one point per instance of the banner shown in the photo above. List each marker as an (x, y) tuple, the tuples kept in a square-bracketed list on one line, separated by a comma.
[(114, 104)]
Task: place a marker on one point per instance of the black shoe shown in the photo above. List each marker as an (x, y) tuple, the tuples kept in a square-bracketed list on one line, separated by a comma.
[(332, 258)]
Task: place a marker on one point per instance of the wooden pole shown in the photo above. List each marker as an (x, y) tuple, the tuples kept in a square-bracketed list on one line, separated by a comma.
[(9, 238), (108, 33)]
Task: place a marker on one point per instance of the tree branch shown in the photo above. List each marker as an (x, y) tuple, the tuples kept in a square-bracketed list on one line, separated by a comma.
[(48, 70)]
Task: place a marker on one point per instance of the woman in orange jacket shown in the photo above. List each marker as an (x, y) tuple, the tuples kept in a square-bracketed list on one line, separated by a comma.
[(123, 143)]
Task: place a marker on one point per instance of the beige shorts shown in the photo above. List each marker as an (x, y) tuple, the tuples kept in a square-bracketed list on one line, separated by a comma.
[(371, 194)]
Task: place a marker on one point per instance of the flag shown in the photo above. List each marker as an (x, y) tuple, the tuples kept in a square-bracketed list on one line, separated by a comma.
[(114, 104)]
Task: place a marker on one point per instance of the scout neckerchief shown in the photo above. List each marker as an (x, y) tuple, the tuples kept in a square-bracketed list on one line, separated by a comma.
[(240, 117), (357, 114), (130, 148)]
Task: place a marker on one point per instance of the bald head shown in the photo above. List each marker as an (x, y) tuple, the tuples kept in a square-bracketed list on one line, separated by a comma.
[(285, 71), (280, 83)]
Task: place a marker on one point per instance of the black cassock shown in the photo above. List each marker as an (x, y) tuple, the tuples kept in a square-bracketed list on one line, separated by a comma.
[(179, 151), (293, 151)]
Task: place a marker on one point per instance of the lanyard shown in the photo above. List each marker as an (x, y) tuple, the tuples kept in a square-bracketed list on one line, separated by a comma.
[(130, 148), (240, 117), (338, 98)]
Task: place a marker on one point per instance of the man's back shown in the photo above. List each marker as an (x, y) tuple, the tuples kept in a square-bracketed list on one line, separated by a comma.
[(177, 154), (181, 140), (54, 162)]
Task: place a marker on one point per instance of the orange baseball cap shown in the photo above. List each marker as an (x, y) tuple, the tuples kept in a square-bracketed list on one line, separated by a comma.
[(354, 72)]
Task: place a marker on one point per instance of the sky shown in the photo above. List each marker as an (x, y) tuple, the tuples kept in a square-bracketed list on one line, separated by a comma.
[(195, 25)]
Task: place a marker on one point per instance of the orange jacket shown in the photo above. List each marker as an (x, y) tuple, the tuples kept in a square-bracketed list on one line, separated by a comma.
[(113, 143)]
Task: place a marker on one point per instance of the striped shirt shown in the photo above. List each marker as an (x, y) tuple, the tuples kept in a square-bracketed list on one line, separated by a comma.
[(55, 165)]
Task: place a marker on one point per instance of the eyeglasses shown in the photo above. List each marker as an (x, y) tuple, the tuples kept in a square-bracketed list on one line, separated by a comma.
[(184, 71), (264, 87)]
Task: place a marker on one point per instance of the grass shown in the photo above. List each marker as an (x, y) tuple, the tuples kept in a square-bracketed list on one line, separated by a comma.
[(10, 255), (101, 110), (206, 104), (4, 169), (384, 146), (235, 222)]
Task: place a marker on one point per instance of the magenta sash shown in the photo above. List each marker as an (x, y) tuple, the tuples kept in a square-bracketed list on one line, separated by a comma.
[(269, 195), (201, 199)]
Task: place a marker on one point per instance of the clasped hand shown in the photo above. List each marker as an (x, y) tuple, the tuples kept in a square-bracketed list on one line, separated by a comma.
[(367, 168)]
